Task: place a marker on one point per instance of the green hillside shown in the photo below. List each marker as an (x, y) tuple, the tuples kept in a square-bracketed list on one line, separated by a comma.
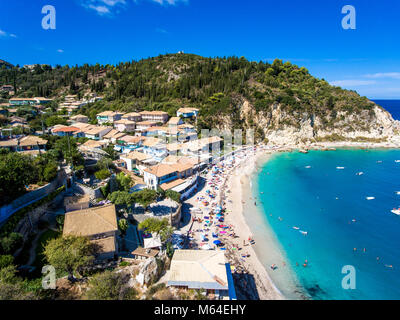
[(218, 86)]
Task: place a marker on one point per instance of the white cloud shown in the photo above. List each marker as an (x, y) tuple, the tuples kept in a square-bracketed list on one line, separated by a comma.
[(391, 75), (4, 34), (99, 9), (102, 7), (109, 7), (112, 3), (352, 83), (169, 2)]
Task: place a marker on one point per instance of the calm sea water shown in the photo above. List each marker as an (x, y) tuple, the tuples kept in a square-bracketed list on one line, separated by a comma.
[(393, 106), (324, 201)]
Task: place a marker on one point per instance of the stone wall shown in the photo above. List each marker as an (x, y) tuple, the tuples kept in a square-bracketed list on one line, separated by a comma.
[(29, 223), (31, 197), (174, 220)]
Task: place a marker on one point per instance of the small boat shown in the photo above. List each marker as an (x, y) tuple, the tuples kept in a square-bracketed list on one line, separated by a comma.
[(396, 211), (398, 193), (340, 168), (397, 161), (296, 228), (370, 198), (308, 167), (379, 161), (359, 173), (304, 232)]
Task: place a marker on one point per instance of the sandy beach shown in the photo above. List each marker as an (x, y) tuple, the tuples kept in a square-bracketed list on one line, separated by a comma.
[(252, 279), (235, 200)]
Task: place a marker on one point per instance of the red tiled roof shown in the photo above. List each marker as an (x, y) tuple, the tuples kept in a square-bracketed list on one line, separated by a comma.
[(67, 129)]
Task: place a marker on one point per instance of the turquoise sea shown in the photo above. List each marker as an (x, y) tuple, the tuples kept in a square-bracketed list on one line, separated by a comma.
[(308, 192)]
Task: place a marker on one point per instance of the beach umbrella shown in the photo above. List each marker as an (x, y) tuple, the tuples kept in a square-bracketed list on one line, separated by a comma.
[(217, 242)]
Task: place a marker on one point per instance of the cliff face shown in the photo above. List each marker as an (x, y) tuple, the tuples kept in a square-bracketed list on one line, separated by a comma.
[(281, 127)]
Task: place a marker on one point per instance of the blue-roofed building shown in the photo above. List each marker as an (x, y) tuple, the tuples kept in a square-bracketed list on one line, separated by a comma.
[(187, 112)]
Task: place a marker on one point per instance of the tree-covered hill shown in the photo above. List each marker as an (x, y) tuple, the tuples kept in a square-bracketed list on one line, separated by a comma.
[(5, 64), (275, 99)]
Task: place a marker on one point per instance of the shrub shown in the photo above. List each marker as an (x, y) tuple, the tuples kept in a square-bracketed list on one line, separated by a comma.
[(60, 222), (124, 264), (102, 174), (6, 260), (155, 288), (173, 195), (109, 286), (123, 225), (11, 243)]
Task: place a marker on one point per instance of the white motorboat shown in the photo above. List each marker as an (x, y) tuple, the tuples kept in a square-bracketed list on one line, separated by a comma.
[(396, 211)]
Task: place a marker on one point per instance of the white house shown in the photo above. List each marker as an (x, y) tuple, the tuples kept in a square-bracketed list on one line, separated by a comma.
[(157, 116), (109, 117), (125, 125), (135, 159), (160, 174), (175, 121)]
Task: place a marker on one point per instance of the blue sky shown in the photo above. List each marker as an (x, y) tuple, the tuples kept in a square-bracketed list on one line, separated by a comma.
[(306, 32)]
